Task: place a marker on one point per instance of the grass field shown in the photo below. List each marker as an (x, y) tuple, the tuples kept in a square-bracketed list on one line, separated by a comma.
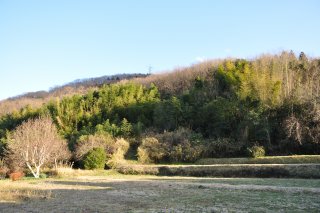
[(112, 192)]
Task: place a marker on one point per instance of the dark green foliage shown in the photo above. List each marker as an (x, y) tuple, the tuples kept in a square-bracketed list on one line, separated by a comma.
[(167, 114), (223, 147), (95, 159), (217, 118)]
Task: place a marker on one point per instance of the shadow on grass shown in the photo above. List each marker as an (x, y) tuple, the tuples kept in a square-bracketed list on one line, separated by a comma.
[(243, 170), (159, 195)]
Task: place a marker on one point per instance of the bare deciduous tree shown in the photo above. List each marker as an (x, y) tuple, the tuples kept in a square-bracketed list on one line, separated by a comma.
[(35, 143), (293, 128)]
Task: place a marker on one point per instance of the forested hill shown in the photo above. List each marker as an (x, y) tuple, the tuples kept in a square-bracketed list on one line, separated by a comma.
[(79, 86), (212, 109)]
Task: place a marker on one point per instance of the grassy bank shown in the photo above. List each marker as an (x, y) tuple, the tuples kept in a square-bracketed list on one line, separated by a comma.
[(294, 159), (235, 170)]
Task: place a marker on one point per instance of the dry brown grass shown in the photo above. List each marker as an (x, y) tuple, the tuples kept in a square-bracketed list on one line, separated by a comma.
[(230, 170), (293, 159), (20, 191), (178, 80), (67, 172), (119, 193)]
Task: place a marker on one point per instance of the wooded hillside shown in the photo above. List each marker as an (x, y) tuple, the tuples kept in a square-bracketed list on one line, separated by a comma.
[(217, 108)]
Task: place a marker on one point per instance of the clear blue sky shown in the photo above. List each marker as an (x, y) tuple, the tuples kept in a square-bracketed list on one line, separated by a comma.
[(44, 43)]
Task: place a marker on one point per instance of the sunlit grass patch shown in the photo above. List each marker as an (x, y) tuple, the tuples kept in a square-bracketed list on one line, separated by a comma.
[(293, 159), (22, 191), (23, 195)]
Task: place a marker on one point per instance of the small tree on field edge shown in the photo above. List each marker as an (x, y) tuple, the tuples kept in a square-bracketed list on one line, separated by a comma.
[(36, 142)]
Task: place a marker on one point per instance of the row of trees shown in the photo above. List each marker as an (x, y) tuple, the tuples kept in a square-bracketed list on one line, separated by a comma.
[(226, 106)]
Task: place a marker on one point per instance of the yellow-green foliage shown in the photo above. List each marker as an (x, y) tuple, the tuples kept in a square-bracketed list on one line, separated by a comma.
[(151, 151), (250, 80), (256, 151), (117, 158)]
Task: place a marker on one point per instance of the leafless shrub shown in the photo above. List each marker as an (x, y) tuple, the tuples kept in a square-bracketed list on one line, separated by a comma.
[(176, 81), (88, 142), (293, 128)]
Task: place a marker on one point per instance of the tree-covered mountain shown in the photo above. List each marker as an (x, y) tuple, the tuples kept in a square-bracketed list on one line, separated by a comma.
[(217, 108)]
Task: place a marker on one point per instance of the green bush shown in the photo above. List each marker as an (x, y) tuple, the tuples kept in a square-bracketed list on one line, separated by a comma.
[(43, 175), (87, 142), (95, 159), (256, 151)]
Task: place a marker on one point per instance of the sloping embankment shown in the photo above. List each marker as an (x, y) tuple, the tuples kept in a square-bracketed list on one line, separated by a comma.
[(233, 170), (292, 159)]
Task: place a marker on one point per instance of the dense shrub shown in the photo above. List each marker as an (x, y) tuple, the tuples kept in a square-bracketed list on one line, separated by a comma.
[(117, 157), (151, 151), (185, 152), (256, 151), (184, 145), (95, 159), (224, 147), (88, 142), (181, 145)]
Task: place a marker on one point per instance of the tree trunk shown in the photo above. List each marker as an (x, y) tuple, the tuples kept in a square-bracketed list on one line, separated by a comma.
[(287, 80), (38, 171), (35, 174), (55, 163)]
